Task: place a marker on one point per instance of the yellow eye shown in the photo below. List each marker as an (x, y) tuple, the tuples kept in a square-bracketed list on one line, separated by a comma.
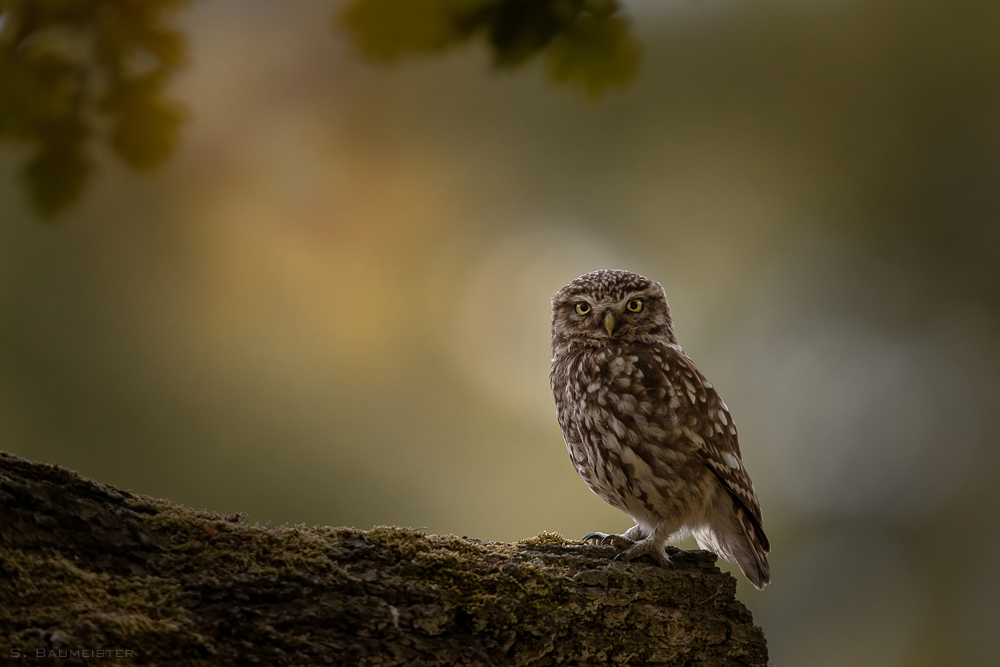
[(635, 305), (583, 308)]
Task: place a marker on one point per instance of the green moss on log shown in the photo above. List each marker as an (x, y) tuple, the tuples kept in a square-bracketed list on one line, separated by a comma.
[(86, 567)]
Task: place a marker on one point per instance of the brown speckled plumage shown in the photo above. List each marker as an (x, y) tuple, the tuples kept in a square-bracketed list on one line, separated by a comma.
[(644, 428)]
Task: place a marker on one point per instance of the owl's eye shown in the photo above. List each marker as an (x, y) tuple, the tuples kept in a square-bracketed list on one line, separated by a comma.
[(635, 305), (583, 308)]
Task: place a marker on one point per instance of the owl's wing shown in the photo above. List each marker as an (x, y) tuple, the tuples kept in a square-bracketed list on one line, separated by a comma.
[(703, 416)]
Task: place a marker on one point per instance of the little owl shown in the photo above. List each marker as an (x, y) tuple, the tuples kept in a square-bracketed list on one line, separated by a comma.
[(645, 430)]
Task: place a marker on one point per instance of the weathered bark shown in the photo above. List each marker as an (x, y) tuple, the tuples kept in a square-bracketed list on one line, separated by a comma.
[(86, 567)]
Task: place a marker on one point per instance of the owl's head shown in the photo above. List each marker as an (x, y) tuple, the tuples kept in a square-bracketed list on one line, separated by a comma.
[(611, 305)]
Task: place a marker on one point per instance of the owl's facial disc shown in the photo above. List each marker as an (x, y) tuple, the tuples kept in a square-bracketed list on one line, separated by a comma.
[(610, 306)]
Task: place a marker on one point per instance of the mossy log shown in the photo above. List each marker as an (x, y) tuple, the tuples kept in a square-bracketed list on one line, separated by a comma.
[(90, 574)]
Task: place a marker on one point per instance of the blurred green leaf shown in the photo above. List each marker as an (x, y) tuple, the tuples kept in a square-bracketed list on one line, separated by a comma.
[(588, 43), (57, 174), (71, 70), (147, 126), (594, 54), (388, 29)]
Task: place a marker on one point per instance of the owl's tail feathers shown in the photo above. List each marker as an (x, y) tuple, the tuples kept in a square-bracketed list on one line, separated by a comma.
[(749, 546), (733, 533)]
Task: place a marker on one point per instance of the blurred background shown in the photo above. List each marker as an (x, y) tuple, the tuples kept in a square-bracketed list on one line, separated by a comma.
[(296, 260)]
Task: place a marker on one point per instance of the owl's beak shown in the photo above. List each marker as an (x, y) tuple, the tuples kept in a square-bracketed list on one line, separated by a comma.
[(609, 323)]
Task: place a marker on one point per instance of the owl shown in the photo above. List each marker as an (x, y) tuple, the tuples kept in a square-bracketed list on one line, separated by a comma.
[(645, 429)]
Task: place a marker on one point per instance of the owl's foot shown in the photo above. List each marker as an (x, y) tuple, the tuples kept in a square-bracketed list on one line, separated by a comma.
[(651, 546), (617, 541)]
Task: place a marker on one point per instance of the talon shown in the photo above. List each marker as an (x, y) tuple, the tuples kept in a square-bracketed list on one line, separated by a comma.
[(628, 554), (602, 539), (641, 549)]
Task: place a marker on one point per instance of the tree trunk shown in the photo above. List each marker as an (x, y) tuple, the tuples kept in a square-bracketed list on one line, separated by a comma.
[(90, 574)]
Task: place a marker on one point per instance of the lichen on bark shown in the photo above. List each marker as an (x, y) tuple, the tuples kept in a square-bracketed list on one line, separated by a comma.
[(87, 567)]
